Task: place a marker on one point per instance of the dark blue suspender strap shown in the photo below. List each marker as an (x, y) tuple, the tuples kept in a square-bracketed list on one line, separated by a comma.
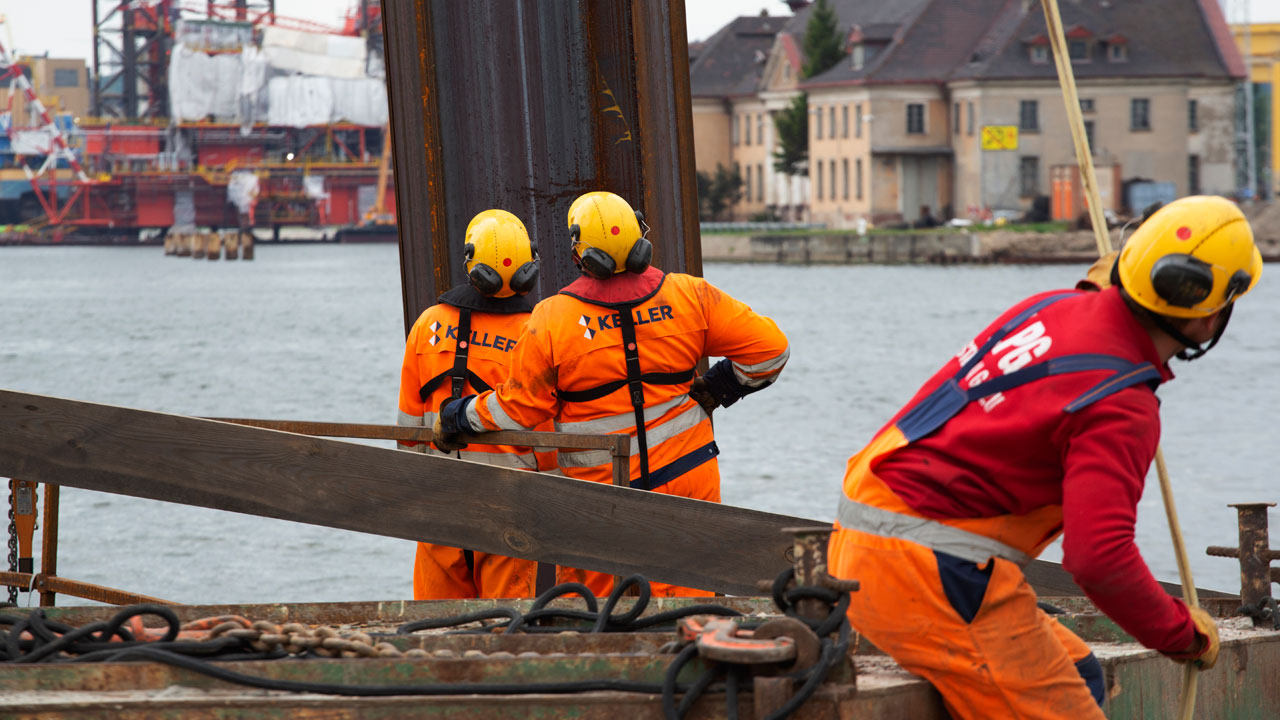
[(684, 464), (950, 398), (458, 377), (1009, 327)]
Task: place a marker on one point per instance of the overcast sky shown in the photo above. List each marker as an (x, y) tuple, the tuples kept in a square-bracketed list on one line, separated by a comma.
[(63, 28)]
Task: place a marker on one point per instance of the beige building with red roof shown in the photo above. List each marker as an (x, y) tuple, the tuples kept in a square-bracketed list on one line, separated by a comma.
[(896, 129)]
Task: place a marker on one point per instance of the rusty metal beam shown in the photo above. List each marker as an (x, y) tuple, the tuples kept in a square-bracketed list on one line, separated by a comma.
[(53, 584), (566, 97)]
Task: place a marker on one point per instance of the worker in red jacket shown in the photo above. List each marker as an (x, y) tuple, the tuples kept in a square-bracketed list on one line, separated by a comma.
[(462, 345), (615, 352), (1044, 424)]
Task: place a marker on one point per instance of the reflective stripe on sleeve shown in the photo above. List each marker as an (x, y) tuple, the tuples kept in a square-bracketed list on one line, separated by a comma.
[(929, 533), (686, 420), (404, 418), (622, 421), (760, 373), (519, 461), (500, 416)]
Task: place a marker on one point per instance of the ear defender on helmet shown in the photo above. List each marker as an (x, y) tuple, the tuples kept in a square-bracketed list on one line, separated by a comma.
[(501, 260), (523, 280)]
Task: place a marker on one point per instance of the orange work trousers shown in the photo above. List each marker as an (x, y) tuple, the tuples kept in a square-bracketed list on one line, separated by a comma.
[(700, 483), (990, 651), (441, 572)]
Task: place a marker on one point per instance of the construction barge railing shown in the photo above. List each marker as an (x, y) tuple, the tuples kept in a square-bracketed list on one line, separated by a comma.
[(24, 495)]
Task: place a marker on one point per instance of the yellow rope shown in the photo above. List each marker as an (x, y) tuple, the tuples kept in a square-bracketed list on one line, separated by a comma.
[(1067, 80)]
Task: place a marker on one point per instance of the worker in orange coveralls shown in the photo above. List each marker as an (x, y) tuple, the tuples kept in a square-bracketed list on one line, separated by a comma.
[(616, 352), (1044, 424), (465, 344)]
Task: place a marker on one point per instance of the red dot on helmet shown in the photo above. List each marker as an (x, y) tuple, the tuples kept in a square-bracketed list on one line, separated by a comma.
[(615, 230), (1184, 233), (506, 262)]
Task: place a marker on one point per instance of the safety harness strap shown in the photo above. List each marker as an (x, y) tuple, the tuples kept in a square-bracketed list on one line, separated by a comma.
[(949, 398), (459, 373), (599, 391), (631, 351), (476, 383), (932, 534), (684, 464)]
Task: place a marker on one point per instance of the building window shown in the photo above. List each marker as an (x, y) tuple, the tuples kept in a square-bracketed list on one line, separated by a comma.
[(844, 121), (759, 128), (1078, 51), (1193, 174), (833, 179), (1139, 114), (1117, 52), (1086, 105), (832, 123), (915, 118), (818, 172), (759, 183), (844, 177), (857, 177), (858, 56), (733, 136), (1029, 115), (857, 120), (746, 185), (746, 128), (66, 77), (1029, 176), (1088, 136), (818, 127), (1193, 116), (969, 122), (955, 112), (1039, 54)]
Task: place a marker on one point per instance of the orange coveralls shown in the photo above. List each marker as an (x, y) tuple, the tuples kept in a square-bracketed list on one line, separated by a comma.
[(440, 571), (571, 365)]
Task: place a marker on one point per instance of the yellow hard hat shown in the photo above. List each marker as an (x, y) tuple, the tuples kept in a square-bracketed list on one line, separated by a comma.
[(606, 235), (1191, 258), (501, 259)]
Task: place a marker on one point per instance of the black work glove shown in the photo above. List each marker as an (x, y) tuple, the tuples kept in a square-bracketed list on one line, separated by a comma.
[(451, 425), (700, 392)]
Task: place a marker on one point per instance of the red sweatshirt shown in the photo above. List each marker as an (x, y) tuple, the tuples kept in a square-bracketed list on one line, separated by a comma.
[(1017, 451)]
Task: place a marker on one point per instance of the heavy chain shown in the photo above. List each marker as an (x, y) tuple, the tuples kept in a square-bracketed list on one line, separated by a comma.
[(13, 541), (296, 639)]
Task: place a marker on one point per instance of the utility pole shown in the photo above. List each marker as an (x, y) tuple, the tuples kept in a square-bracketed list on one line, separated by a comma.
[(1251, 154)]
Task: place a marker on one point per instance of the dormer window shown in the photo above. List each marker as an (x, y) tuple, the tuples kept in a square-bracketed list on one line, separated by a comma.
[(858, 56), (1080, 42), (1117, 49), (1037, 49)]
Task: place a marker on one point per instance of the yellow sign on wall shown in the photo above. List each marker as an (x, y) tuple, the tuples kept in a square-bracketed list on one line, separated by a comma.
[(999, 137)]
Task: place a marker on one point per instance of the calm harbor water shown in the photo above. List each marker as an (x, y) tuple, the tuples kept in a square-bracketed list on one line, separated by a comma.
[(314, 332)]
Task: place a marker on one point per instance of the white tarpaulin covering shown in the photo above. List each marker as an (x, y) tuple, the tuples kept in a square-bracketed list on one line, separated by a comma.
[(314, 53), (242, 190), (257, 85), (362, 101), (201, 85), (313, 186), (302, 100), (32, 142)]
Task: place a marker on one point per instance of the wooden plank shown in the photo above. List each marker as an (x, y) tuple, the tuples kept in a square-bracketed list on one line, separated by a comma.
[(407, 495), (388, 492)]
